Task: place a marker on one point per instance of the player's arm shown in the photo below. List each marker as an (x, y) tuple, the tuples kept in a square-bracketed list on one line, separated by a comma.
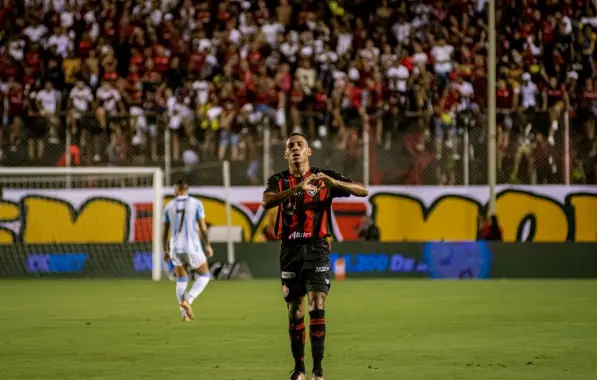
[(353, 188), (204, 237), (342, 186), (272, 197), (165, 229), (203, 231)]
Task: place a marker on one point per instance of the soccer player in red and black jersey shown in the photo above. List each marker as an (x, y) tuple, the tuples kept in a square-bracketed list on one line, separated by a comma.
[(303, 195)]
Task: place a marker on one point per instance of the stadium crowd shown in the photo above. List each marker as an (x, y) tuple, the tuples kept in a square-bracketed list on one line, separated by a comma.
[(114, 75)]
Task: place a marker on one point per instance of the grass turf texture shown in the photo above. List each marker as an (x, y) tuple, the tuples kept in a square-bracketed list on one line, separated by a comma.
[(382, 330)]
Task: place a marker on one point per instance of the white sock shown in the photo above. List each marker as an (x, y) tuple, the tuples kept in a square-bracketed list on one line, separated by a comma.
[(198, 287), (181, 287), (183, 312)]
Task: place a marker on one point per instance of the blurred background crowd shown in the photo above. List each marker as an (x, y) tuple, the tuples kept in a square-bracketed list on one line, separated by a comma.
[(126, 82)]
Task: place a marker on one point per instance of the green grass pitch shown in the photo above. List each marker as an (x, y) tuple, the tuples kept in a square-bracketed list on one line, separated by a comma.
[(378, 330)]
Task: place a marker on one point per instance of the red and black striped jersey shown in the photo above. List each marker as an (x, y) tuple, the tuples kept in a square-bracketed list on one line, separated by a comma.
[(305, 216)]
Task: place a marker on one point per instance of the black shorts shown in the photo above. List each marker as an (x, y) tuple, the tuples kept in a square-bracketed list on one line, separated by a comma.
[(305, 268)]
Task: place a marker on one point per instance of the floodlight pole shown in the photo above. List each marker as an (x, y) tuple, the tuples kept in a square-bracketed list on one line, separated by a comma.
[(491, 108)]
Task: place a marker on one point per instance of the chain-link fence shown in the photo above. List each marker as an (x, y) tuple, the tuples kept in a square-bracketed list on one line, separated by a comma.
[(118, 140), (406, 149), (427, 150)]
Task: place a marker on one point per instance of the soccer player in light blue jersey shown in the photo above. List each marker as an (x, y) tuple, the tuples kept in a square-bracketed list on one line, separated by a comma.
[(187, 246)]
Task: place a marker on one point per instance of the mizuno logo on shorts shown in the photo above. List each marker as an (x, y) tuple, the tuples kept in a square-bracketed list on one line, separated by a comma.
[(288, 275), (322, 269)]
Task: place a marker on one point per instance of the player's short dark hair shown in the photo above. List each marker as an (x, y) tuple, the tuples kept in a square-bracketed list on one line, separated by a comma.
[(297, 134), (181, 183)]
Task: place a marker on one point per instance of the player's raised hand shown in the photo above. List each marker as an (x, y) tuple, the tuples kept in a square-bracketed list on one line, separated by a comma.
[(326, 180)]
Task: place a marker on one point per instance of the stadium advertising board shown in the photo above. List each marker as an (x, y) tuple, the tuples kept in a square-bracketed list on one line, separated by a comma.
[(403, 214), (463, 260), (435, 260)]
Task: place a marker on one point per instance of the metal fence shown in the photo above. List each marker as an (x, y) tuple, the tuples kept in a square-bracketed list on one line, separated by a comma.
[(409, 149)]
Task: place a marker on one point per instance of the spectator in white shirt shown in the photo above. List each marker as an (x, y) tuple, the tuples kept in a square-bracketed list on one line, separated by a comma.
[(109, 106), (60, 41), (35, 32), (80, 102), (467, 93), (306, 76), (270, 30), (397, 78), (289, 48), (344, 42), (528, 93), (16, 48), (442, 58), (47, 100), (420, 59), (370, 52), (48, 103), (67, 17), (109, 99), (401, 30)]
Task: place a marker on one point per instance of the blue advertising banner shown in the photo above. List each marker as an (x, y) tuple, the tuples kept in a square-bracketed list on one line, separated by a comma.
[(143, 262), (56, 262), (435, 260), (380, 263), (458, 260)]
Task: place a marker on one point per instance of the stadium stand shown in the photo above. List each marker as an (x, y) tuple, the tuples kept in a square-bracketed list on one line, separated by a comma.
[(108, 78)]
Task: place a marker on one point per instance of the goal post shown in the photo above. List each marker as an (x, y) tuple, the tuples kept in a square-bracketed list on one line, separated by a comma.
[(111, 216), (41, 206), (158, 206), (227, 195)]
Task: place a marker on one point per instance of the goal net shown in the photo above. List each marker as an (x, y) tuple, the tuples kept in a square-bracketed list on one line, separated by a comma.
[(88, 222)]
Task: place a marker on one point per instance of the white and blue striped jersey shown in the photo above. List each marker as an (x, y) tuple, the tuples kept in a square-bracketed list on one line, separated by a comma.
[(181, 213)]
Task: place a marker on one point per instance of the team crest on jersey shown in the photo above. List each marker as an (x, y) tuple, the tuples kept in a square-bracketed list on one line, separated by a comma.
[(312, 192), (285, 290)]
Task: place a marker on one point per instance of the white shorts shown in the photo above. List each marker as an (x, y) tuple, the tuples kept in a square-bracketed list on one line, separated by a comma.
[(192, 260)]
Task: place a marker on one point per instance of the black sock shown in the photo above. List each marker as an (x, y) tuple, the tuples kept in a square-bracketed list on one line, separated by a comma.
[(296, 330), (317, 332)]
